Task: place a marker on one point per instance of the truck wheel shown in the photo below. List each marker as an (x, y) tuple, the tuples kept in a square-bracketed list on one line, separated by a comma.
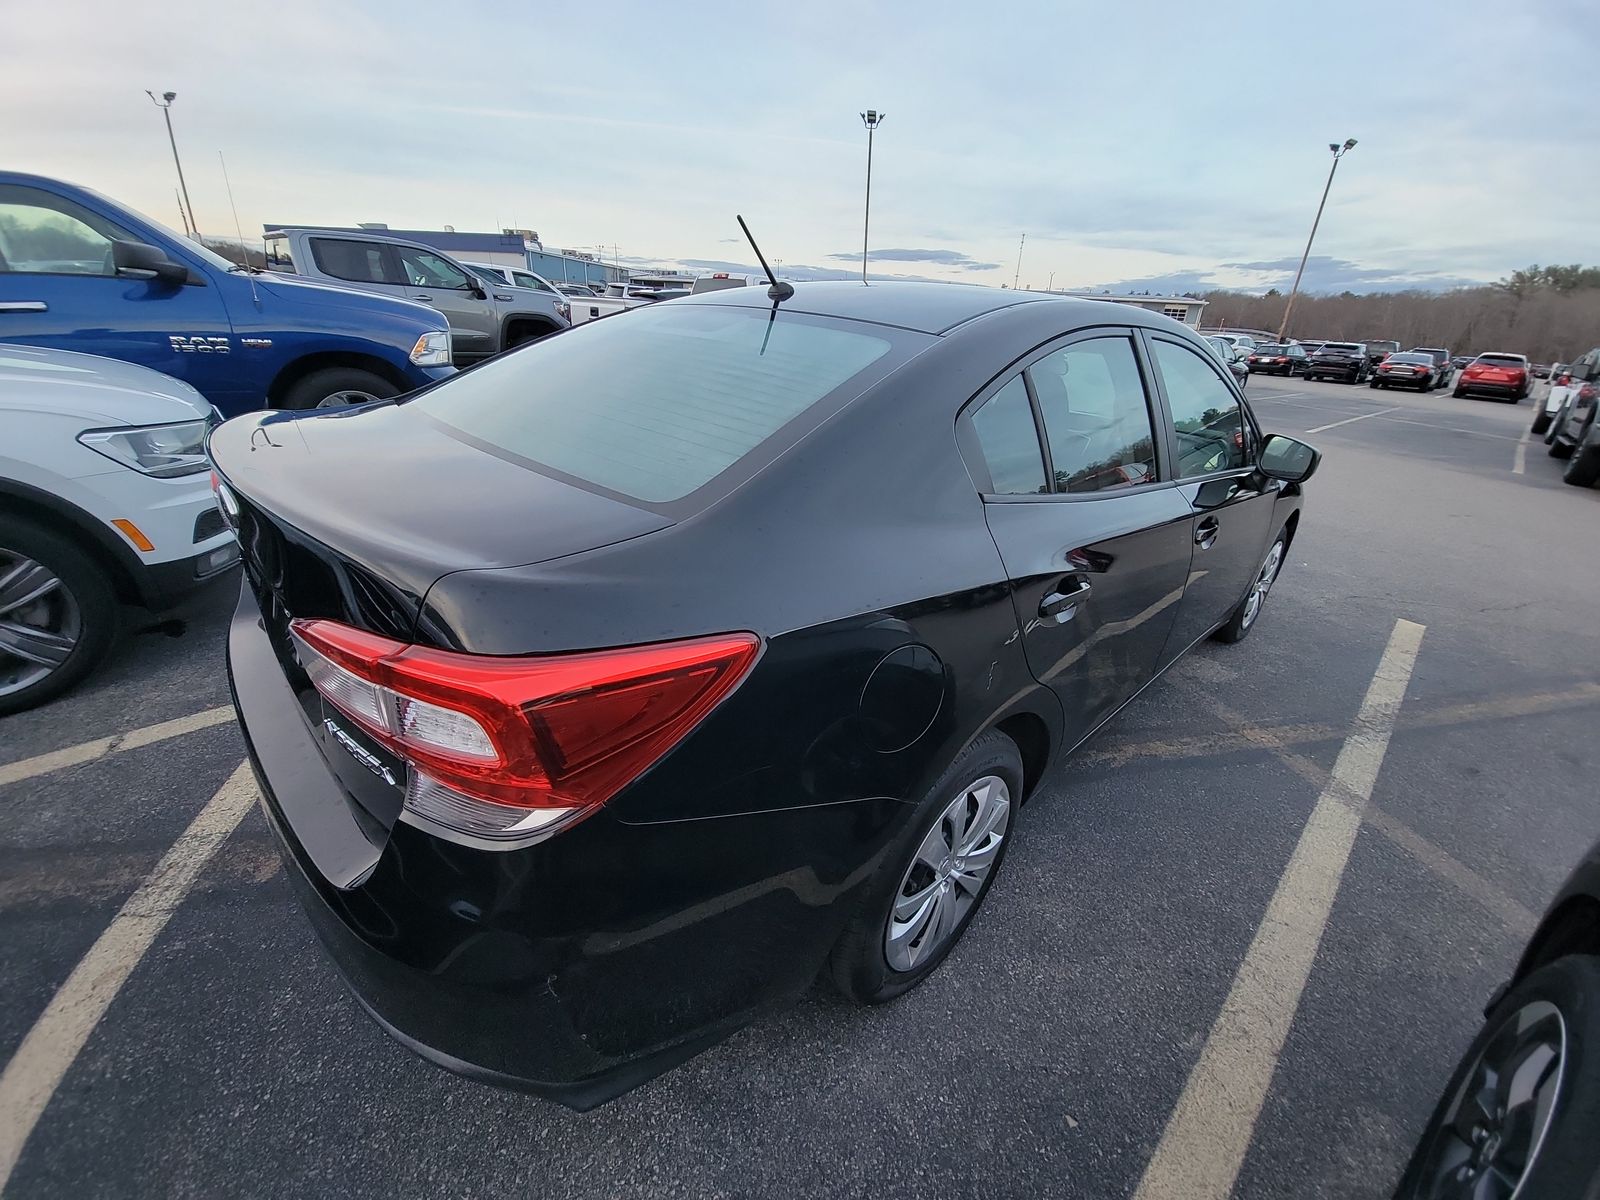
[(337, 387), (1541, 421), (58, 616), (522, 335), (1584, 468)]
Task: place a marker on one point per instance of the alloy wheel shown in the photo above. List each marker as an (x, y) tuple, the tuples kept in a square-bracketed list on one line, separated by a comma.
[(345, 397), (40, 622), (1490, 1135), (947, 873), (1263, 584)]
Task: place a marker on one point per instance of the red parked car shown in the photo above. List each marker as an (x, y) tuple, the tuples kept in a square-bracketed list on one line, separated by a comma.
[(1504, 375)]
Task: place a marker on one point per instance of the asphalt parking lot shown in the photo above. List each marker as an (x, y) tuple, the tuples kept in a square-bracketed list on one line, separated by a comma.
[(1047, 1056)]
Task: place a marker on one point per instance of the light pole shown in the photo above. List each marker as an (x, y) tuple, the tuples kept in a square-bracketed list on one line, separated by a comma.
[(165, 105), (872, 118), (1338, 153), (1018, 275)]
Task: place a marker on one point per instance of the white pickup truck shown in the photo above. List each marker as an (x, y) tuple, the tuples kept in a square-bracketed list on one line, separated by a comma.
[(583, 308)]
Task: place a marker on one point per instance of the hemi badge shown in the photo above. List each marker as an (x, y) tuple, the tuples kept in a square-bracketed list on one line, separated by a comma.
[(256, 343)]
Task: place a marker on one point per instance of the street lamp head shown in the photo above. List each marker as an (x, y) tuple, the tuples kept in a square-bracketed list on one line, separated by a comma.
[(872, 118), (1349, 143), (1334, 146), (169, 97)]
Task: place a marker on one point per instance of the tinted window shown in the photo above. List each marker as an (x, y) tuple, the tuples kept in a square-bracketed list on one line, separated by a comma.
[(279, 257), (1502, 360), (1010, 442), (424, 268), (659, 405), (1212, 433), (1096, 417), (1340, 347), (46, 235), (523, 279), (359, 262), (1409, 359)]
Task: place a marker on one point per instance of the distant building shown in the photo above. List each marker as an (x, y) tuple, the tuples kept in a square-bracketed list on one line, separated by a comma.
[(572, 266), (1179, 308)]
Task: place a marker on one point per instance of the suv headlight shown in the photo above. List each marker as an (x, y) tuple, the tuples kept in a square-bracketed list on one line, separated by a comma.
[(164, 451), (432, 349)]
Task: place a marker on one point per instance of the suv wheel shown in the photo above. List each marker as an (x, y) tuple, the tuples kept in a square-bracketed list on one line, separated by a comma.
[(58, 615), (1583, 470), (935, 876), (338, 387)]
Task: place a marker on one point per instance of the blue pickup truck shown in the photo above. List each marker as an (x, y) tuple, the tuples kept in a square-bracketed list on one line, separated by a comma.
[(81, 272)]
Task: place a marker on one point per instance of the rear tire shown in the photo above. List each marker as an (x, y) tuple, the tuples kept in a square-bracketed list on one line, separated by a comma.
[(1374, 384), (79, 605), (859, 962), (1541, 421), (1459, 394), (1583, 469), (338, 387)]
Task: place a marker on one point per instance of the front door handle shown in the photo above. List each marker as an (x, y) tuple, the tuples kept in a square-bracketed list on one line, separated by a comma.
[(424, 299), (1061, 606), (1205, 533), (23, 306)]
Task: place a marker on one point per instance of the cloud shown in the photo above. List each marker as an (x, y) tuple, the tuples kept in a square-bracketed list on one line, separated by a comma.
[(942, 258), (1324, 274)]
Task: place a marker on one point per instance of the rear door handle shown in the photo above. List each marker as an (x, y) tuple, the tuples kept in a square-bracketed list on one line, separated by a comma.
[(1205, 533), (1061, 606), (23, 306)]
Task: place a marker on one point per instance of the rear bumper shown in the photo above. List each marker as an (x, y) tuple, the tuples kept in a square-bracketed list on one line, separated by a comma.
[(1491, 389), (576, 968)]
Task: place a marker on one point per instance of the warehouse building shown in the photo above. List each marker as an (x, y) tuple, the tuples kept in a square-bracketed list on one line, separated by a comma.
[(1179, 308)]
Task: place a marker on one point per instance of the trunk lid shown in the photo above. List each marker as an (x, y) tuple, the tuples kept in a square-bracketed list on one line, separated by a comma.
[(353, 514)]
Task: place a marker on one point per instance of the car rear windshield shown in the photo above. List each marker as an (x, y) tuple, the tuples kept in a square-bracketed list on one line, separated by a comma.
[(1502, 360), (1271, 350), (1408, 358), (1340, 347), (656, 404)]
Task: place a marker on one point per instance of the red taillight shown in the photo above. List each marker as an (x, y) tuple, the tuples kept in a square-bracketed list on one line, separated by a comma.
[(501, 747), (1587, 392), (1563, 380), (1281, 360)]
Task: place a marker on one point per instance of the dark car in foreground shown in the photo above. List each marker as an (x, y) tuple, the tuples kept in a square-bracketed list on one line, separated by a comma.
[(1518, 1118), (714, 648), (1506, 376), (1276, 359), (1338, 360), (1406, 369), (1443, 365)]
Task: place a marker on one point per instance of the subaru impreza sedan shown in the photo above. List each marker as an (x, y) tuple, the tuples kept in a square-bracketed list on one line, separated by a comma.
[(605, 695)]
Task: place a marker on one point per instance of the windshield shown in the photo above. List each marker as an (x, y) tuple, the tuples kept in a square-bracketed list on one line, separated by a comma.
[(1340, 347), (1502, 360), (1271, 349), (1410, 359), (657, 406)]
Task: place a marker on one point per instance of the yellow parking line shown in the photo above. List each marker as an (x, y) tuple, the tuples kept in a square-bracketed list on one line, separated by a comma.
[(56, 760), (1205, 1141), (52, 1045)]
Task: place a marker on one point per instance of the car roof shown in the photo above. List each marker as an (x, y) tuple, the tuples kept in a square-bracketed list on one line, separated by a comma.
[(924, 307)]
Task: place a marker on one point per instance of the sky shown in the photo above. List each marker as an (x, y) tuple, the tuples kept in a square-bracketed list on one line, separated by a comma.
[(1136, 145)]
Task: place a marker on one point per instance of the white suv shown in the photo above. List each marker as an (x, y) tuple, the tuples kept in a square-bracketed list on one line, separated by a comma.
[(105, 500)]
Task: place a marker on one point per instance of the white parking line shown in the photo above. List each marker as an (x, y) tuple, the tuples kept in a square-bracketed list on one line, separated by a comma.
[(1206, 1137), (1519, 461), (43, 764), (51, 1046), (1499, 437), (1348, 420)]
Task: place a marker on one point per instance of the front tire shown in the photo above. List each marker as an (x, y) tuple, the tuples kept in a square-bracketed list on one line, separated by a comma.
[(935, 876), (1524, 1102), (1244, 617), (1374, 384), (338, 387), (1459, 394), (58, 615), (1541, 421)]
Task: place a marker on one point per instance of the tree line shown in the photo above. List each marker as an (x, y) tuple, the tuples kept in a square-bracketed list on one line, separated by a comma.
[(1551, 314)]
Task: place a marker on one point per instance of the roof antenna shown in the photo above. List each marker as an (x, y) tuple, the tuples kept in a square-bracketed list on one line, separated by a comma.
[(244, 246), (778, 292)]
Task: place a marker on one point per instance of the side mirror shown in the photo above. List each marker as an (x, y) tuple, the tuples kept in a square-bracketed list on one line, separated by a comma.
[(140, 260), (1287, 459), (476, 289)]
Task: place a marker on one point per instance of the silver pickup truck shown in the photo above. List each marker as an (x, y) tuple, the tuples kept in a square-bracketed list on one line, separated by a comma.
[(483, 320), (581, 308)]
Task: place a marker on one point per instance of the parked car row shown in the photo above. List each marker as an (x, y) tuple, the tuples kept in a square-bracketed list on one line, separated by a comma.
[(1567, 419)]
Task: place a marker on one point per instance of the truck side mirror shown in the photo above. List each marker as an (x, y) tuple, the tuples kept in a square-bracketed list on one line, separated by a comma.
[(140, 260)]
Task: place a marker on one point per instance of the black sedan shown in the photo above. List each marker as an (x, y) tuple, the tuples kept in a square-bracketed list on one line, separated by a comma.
[(605, 694), (1338, 360), (1518, 1117), (1408, 369), (1277, 359)]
